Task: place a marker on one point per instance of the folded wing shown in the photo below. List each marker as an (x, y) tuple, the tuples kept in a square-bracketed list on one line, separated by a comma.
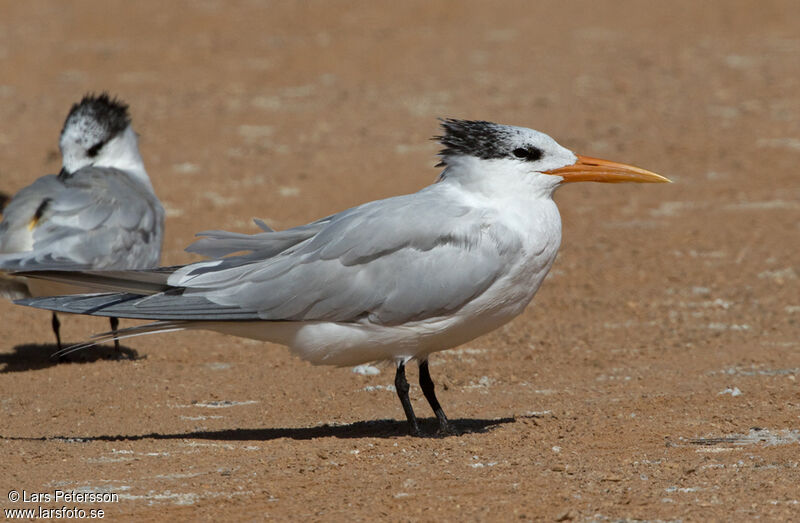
[(388, 262), (96, 218)]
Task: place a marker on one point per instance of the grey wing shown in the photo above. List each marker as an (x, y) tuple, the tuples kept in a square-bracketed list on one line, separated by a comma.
[(216, 244), (20, 215), (388, 262), (97, 218), (392, 261)]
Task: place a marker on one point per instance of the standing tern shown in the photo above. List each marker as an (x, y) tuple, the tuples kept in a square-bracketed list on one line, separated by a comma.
[(99, 212), (395, 279)]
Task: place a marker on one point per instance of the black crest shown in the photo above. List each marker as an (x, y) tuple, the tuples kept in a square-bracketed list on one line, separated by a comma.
[(472, 138), (484, 140), (109, 113)]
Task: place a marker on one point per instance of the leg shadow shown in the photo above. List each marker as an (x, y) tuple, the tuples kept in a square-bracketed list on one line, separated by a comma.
[(384, 428), (34, 356)]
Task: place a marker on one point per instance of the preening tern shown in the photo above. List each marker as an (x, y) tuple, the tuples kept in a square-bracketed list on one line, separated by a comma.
[(99, 212), (395, 279)]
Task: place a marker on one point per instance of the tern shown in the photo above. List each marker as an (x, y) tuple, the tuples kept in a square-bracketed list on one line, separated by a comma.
[(395, 279), (99, 212)]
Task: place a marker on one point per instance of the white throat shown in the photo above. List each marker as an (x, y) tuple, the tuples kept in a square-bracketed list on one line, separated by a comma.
[(121, 152), (498, 178)]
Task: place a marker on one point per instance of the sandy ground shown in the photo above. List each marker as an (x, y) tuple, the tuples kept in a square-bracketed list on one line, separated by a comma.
[(655, 375)]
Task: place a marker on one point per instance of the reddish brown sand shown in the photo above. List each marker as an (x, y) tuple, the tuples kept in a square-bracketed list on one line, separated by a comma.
[(653, 378)]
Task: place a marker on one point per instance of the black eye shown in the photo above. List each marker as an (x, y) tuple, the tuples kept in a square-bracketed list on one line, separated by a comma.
[(530, 154), (93, 150)]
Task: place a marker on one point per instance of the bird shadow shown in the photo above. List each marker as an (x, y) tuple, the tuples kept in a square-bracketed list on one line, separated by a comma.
[(34, 356), (384, 428)]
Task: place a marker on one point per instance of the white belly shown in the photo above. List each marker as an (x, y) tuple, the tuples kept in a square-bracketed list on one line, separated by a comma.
[(345, 344)]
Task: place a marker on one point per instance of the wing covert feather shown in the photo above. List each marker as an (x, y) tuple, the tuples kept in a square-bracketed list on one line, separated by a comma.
[(392, 261)]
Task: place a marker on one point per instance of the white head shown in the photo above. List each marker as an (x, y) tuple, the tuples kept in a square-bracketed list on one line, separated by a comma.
[(98, 132), (478, 148)]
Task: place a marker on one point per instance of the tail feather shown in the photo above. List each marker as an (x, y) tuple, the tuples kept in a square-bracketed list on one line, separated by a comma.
[(168, 306), (157, 327)]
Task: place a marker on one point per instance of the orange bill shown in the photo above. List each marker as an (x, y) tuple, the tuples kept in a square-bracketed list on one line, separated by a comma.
[(588, 169)]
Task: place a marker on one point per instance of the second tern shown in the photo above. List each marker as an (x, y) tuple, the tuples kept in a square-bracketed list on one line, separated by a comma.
[(99, 212)]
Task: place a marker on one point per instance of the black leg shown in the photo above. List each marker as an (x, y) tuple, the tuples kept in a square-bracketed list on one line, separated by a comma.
[(56, 329), (401, 385), (426, 383), (114, 326)]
